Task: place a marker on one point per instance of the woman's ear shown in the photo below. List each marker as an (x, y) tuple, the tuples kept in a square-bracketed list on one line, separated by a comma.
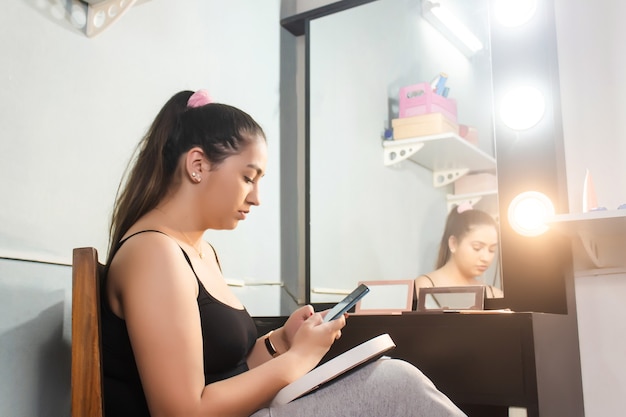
[(195, 164), (452, 244)]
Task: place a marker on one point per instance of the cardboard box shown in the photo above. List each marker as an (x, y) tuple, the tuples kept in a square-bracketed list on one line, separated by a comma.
[(424, 125), (475, 183)]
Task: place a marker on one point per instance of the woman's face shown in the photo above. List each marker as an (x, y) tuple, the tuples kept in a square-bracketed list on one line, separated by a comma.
[(474, 253), (232, 187)]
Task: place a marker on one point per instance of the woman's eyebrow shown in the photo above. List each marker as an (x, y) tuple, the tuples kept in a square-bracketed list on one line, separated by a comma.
[(484, 243), (258, 170)]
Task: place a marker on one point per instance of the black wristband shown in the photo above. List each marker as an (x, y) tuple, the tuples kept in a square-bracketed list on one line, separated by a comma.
[(270, 347)]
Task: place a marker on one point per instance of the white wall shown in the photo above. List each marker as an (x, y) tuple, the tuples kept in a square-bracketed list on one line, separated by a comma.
[(593, 94), (72, 110)]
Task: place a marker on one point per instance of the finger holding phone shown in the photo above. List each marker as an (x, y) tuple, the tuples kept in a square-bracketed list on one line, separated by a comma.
[(315, 337), (326, 325)]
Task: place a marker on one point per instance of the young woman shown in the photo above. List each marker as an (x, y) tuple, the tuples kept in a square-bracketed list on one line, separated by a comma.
[(176, 341), (468, 247)]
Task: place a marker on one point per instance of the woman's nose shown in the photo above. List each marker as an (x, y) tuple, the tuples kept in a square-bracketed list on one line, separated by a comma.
[(253, 197)]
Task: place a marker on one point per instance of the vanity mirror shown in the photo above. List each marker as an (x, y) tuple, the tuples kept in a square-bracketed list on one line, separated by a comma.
[(367, 219)]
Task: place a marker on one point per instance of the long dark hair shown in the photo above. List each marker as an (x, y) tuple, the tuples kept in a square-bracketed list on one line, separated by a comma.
[(220, 130), (458, 225)]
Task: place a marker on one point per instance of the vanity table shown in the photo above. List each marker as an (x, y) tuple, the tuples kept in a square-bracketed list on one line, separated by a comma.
[(486, 361)]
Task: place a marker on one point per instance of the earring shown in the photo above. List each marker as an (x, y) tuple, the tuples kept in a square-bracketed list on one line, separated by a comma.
[(195, 177)]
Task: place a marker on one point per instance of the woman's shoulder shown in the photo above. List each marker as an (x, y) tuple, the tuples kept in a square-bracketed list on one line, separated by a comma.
[(495, 292), (146, 266), (424, 280), (146, 251)]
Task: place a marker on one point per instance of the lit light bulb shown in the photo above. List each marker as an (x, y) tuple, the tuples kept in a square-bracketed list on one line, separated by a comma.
[(522, 108), (528, 213), (512, 13)]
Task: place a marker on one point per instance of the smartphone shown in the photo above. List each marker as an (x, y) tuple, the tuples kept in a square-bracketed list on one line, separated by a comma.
[(347, 303)]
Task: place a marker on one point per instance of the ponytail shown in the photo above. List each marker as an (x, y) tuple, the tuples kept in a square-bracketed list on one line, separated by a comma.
[(149, 179)]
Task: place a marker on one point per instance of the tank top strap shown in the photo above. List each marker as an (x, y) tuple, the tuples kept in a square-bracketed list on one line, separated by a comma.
[(182, 250), (430, 279), (119, 245)]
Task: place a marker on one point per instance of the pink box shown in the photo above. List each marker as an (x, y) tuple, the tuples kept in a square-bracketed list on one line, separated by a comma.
[(420, 99)]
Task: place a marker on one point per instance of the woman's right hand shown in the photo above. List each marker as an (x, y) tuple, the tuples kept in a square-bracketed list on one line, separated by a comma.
[(315, 337)]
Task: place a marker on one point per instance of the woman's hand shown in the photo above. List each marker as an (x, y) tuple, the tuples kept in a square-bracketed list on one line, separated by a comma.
[(315, 337), (284, 336), (286, 333)]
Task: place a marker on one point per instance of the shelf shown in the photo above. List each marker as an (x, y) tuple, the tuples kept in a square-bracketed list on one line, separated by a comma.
[(599, 223), (485, 200), (447, 155), (601, 234)]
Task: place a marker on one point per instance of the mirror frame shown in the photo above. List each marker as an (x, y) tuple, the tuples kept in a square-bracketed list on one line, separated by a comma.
[(536, 271)]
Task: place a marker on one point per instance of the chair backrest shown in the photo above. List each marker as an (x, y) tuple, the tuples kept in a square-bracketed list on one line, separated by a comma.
[(87, 400)]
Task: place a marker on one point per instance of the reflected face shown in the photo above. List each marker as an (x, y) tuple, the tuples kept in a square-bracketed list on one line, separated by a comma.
[(232, 187), (475, 252)]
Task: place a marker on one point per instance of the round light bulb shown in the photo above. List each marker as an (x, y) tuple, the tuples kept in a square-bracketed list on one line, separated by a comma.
[(513, 13), (528, 213), (522, 108)]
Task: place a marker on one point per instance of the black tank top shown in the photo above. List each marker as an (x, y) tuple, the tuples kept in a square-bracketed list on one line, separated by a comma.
[(228, 335)]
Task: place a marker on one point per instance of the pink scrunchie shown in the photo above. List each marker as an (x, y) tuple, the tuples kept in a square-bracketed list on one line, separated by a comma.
[(464, 207), (199, 98)]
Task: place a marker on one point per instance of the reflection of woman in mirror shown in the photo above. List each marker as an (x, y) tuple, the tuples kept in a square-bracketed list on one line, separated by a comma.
[(467, 249)]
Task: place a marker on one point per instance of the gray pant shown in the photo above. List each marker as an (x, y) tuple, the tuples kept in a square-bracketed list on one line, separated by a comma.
[(385, 388)]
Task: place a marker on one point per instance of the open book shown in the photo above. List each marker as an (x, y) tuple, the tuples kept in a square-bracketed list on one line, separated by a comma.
[(339, 365)]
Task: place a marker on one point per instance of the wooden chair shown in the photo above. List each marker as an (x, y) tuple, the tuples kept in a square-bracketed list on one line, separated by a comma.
[(87, 400)]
